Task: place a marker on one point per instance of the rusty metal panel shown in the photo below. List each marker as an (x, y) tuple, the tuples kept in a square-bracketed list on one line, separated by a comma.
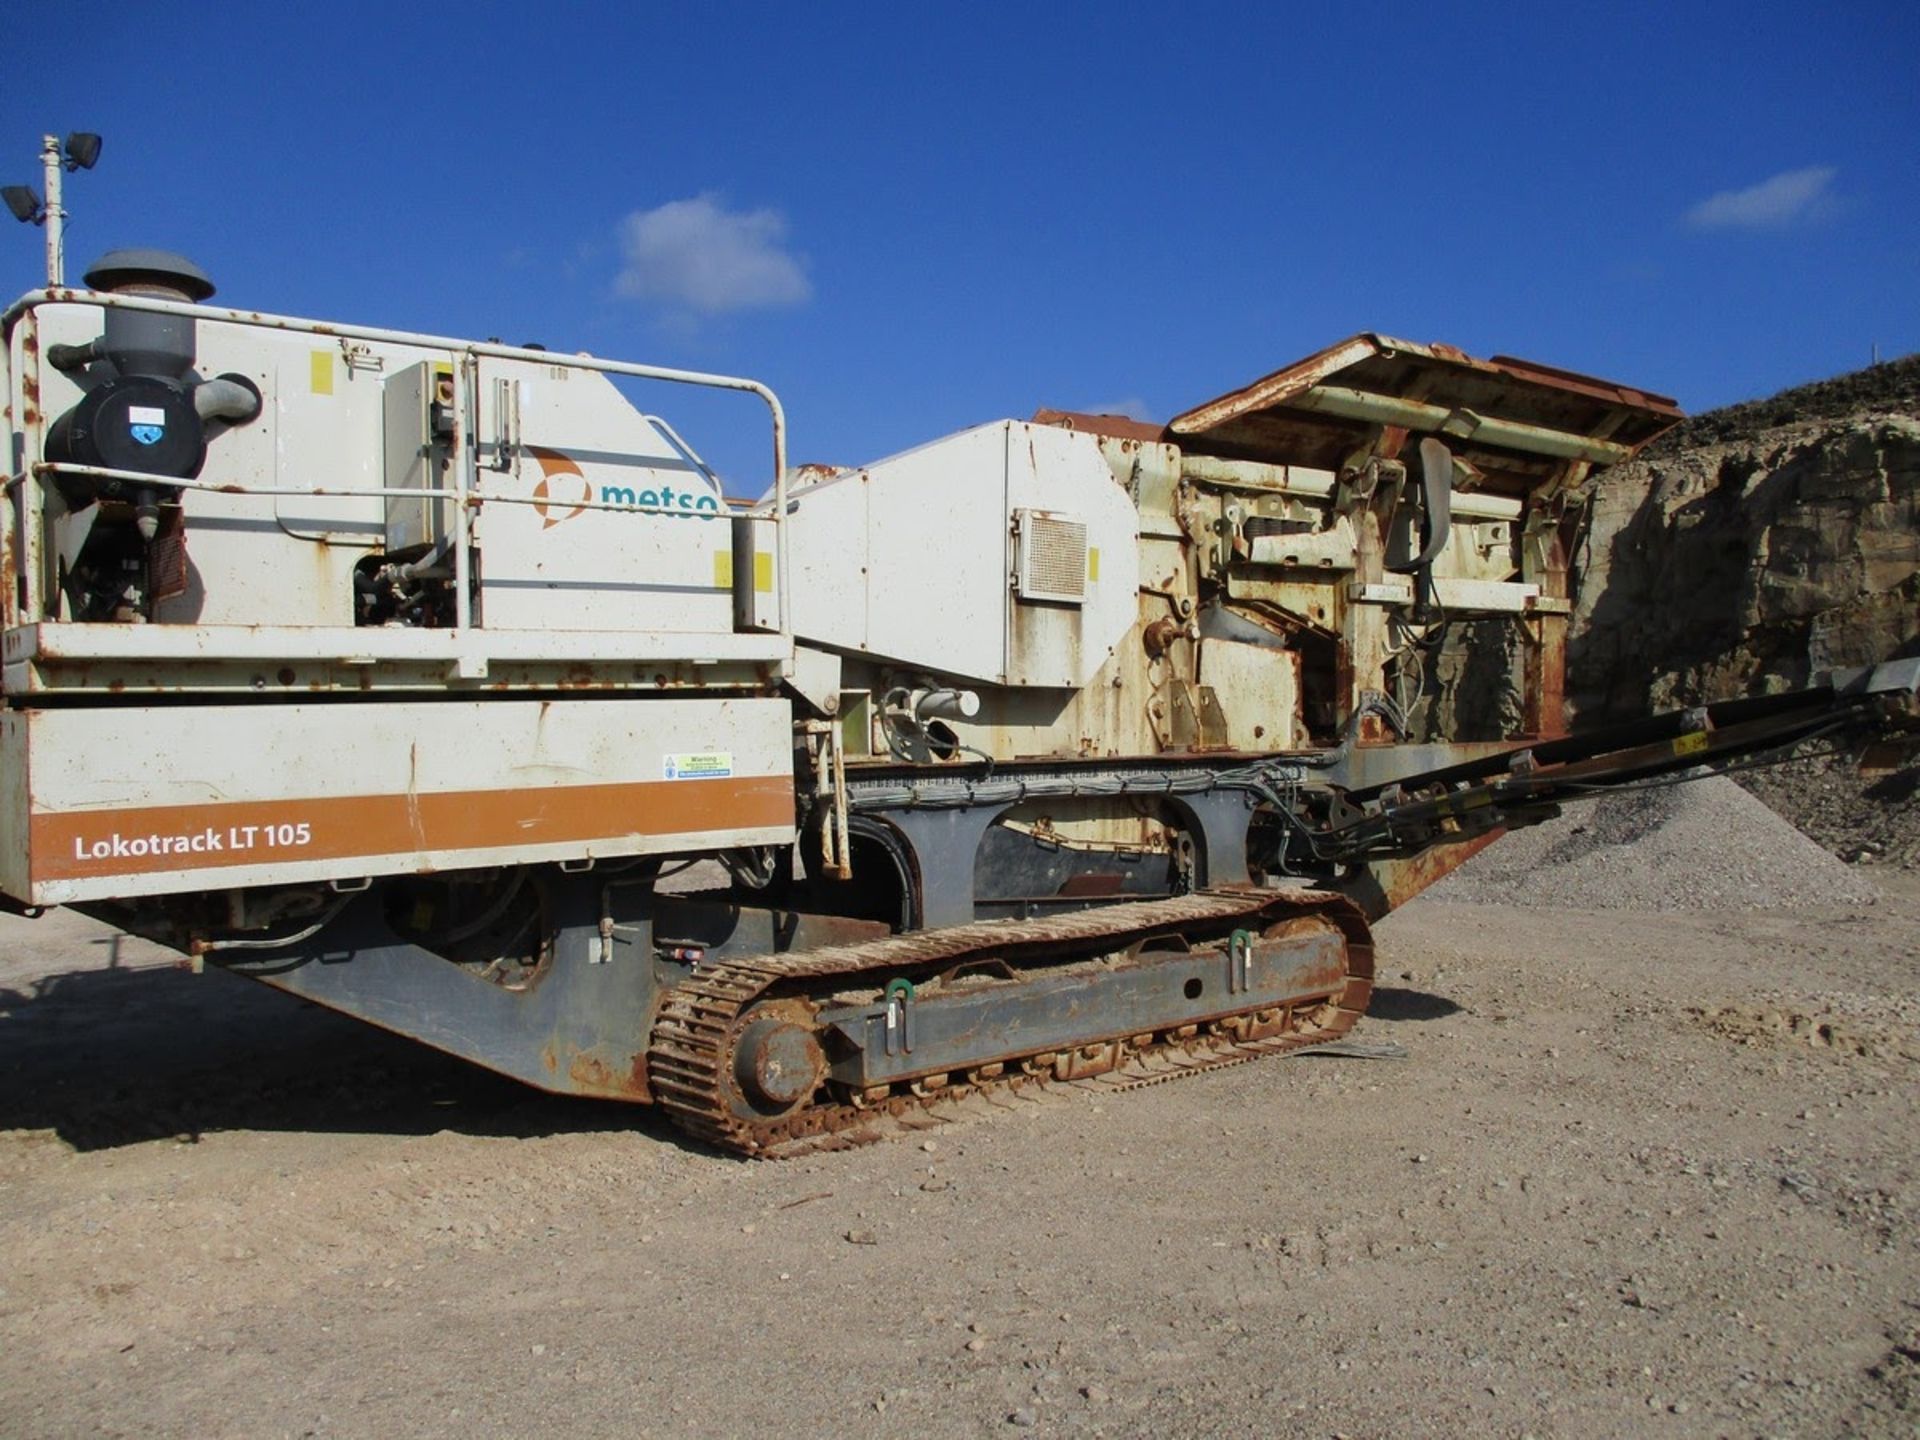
[(1258, 688), (1107, 427), (1382, 886), (1513, 420), (1546, 688)]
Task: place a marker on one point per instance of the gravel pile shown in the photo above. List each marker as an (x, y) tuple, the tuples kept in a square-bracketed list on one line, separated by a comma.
[(1704, 845), (1869, 819)]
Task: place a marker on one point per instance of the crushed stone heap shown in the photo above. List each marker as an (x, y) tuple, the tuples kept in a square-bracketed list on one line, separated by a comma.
[(1703, 845), (1742, 553)]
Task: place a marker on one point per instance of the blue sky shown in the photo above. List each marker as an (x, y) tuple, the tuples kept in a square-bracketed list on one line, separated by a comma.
[(909, 219)]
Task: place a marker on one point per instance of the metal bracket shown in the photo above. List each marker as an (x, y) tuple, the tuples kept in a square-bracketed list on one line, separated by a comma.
[(1239, 956), (830, 787), (361, 357), (506, 421), (899, 1016)]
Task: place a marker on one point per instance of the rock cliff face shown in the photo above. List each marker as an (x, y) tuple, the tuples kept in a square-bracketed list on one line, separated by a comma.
[(1749, 549), (1754, 547)]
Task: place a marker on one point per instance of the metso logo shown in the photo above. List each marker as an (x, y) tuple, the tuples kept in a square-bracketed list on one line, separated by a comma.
[(563, 491)]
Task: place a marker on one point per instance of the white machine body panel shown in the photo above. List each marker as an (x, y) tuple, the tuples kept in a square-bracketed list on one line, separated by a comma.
[(557, 564), (927, 558), (560, 442), (136, 800)]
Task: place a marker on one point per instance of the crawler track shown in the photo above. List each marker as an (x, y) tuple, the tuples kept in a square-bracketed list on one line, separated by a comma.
[(691, 1055)]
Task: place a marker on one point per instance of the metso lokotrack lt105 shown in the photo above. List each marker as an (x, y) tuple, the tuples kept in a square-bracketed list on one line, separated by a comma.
[(396, 671)]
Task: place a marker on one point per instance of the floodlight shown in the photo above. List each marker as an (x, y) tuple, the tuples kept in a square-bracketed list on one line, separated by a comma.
[(24, 202), (83, 150)]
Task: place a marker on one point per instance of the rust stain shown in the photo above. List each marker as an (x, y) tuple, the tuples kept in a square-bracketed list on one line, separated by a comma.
[(589, 1072), (593, 1076), (1386, 885), (415, 826), (1545, 705)]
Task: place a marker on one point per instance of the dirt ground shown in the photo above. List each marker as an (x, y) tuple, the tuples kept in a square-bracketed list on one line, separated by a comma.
[(1639, 1174)]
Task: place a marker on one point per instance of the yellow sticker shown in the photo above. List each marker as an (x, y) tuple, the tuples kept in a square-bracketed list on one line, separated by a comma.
[(1093, 565), (322, 372), (762, 571), (1691, 744)]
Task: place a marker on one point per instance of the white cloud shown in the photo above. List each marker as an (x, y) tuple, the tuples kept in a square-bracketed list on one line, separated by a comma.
[(1133, 408), (1792, 197), (698, 256)]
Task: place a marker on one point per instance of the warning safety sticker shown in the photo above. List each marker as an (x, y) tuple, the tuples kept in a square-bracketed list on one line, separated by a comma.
[(708, 765)]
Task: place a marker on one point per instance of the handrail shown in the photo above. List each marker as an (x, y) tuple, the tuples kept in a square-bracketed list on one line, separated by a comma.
[(474, 350), (412, 492), (687, 452)]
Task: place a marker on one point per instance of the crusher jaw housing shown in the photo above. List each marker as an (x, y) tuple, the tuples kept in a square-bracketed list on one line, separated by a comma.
[(399, 671)]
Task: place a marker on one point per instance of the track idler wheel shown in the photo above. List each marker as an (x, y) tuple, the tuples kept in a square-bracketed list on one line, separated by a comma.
[(778, 1063)]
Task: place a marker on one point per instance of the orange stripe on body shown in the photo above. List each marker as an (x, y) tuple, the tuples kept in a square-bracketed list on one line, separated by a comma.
[(346, 825)]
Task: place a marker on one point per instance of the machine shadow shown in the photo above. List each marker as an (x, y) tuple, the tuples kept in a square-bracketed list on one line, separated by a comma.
[(1391, 1003), (114, 1056), (105, 1057)]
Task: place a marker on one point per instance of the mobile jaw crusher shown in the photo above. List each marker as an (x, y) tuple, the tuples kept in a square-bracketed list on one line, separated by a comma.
[(398, 671)]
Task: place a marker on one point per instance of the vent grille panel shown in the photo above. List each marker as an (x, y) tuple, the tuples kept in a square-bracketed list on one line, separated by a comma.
[(1053, 557)]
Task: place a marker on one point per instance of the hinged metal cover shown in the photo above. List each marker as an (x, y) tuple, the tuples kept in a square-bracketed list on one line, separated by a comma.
[(1516, 422), (1053, 556)]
